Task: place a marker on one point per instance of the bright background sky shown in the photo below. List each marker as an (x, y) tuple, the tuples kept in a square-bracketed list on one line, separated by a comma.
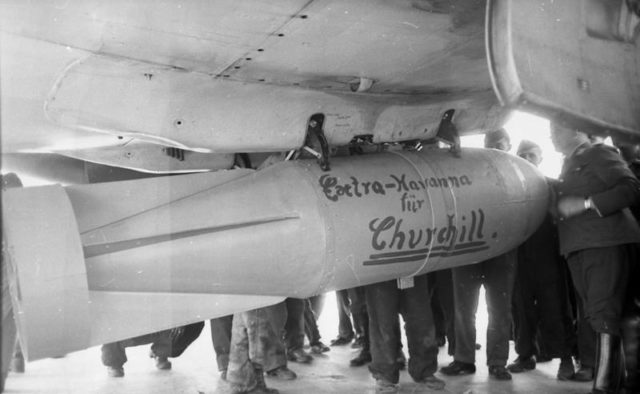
[(522, 125)]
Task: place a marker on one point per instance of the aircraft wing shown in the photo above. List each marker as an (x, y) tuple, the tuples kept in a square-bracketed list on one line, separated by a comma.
[(226, 77), (231, 76), (573, 61)]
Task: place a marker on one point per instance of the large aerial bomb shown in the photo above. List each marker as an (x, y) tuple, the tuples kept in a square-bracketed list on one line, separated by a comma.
[(92, 264)]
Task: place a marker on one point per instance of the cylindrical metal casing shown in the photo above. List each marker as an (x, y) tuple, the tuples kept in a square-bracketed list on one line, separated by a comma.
[(202, 245), (295, 230)]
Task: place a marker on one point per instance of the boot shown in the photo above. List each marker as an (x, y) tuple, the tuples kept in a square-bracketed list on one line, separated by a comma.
[(361, 359), (162, 363), (261, 386), (566, 370), (609, 366), (17, 363), (631, 347)]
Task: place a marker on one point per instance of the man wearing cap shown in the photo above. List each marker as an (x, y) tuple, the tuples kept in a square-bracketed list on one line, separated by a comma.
[(540, 294), (599, 237)]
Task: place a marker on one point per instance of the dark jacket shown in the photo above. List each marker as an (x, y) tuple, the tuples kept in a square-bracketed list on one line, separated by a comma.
[(539, 256), (601, 173)]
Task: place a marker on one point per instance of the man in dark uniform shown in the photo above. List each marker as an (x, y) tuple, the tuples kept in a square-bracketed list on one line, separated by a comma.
[(598, 235), (631, 321), (540, 294), (631, 154)]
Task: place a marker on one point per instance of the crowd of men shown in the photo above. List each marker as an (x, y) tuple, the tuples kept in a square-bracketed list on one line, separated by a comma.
[(570, 292)]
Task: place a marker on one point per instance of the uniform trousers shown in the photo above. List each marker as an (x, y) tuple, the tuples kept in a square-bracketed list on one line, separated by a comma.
[(541, 304), (8, 326), (221, 339), (345, 328), (384, 302), (600, 276), (294, 326), (497, 275), (114, 353), (256, 345)]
